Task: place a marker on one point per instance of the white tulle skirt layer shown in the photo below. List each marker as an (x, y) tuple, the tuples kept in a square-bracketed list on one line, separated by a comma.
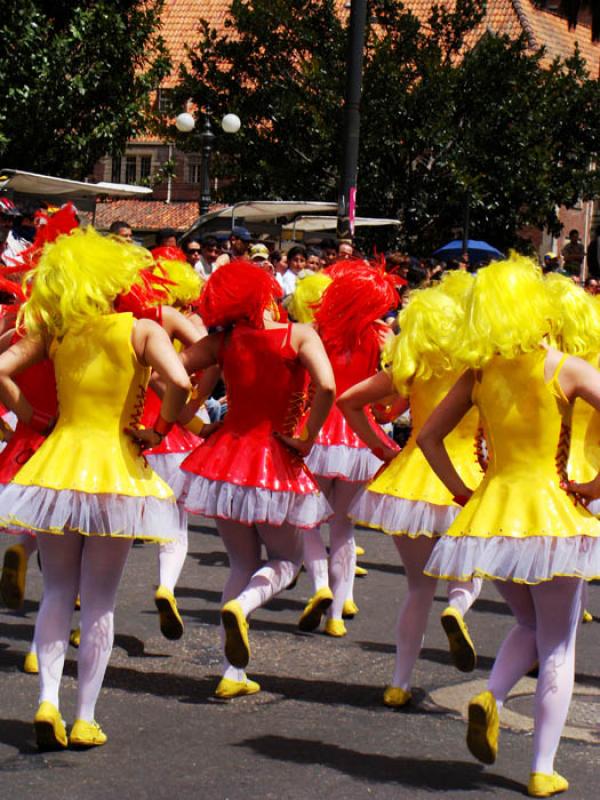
[(250, 505), (167, 466), (39, 509), (531, 560), (400, 517), (594, 508), (340, 461)]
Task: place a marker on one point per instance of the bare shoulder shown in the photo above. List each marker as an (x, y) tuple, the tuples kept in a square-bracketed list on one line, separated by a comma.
[(303, 333)]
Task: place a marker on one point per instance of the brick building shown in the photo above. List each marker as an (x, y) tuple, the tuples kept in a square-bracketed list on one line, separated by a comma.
[(174, 200)]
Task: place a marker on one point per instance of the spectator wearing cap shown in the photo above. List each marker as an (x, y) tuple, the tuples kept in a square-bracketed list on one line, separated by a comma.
[(550, 263), (239, 242), (121, 229), (259, 255)]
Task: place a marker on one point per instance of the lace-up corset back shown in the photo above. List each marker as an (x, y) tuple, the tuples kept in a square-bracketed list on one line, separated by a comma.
[(100, 384), (265, 380)]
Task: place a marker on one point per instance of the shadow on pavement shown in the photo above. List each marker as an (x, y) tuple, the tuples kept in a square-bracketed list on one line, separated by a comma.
[(427, 654), (439, 775)]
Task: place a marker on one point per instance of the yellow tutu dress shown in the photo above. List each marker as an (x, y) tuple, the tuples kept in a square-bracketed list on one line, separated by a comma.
[(584, 455), (406, 497), (519, 525), (88, 476)]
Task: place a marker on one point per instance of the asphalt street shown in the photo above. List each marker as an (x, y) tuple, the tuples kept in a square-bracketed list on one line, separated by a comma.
[(318, 727)]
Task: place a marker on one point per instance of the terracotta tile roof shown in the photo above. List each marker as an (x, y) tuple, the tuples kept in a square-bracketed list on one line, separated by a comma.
[(541, 26), (147, 215), (180, 24)]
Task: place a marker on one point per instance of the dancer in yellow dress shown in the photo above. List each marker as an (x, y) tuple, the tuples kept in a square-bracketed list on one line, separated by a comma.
[(520, 527), (87, 491), (406, 499)]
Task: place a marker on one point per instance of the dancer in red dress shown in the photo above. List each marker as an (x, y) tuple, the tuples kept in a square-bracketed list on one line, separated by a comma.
[(244, 475), (347, 319)]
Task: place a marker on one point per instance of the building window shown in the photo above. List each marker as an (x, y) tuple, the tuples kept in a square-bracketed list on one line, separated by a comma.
[(130, 169), (145, 167), (165, 101), (193, 169), (115, 174)]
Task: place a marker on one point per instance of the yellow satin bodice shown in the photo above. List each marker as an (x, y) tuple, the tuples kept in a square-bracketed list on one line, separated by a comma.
[(101, 388)]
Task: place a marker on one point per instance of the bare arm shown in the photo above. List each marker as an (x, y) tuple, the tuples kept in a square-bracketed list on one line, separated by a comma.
[(312, 355), (580, 379), (153, 348), (25, 353), (353, 402), (178, 326), (443, 420), (203, 354)]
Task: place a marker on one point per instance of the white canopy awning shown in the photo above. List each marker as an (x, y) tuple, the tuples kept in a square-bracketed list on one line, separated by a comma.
[(266, 211), (326, 223), (61, 188)]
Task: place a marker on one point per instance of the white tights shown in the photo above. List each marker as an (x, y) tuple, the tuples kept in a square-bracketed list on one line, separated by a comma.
[(92, 566), (171, 558), (338, 573), (28, 543), (251, 582), (546, 627), (414, 612)]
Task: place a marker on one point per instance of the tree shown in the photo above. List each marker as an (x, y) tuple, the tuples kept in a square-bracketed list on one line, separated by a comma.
[(444, 123), (76, 80)]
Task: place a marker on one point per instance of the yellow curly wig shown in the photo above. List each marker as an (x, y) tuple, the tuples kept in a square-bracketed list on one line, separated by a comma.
[(187, 284), (78, 278), (306, 297), (578, 323), (509, 312), (427, 342)]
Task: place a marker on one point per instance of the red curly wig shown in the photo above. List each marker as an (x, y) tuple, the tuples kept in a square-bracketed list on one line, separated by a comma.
[(238, 291), (359, 295)]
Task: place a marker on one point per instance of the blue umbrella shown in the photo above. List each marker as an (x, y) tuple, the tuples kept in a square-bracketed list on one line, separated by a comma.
[(478, 251)]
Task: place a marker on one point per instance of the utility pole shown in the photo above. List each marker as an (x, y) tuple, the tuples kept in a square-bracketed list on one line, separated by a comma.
[(354, 64)]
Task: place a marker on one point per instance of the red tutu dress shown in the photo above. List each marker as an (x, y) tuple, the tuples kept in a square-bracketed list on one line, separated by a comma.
[(243, 472), (338, 452), (39, 387), (167, 457)]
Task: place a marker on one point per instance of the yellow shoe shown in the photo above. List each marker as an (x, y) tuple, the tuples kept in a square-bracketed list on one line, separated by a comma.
[(462, 649), (50, 731), (86, 734), (12, 582), (228, 689), (335, 627), (77, 603), (171, 624), (30, 665), (237, 646), (360, 551), (360, 572), (541, 785), (75, 637), (482, 733), (585, 617), (315, 608), (350, 609), (395, 697)]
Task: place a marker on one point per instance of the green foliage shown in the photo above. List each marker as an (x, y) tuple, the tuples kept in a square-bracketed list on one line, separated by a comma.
[(76, 80), (493, 126)]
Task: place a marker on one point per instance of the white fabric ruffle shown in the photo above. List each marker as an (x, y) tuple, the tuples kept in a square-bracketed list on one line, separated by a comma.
[(250, 504), (37, 508), (594, 507), (529, 560), (167, 465), (398, 516), (341, 461)]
